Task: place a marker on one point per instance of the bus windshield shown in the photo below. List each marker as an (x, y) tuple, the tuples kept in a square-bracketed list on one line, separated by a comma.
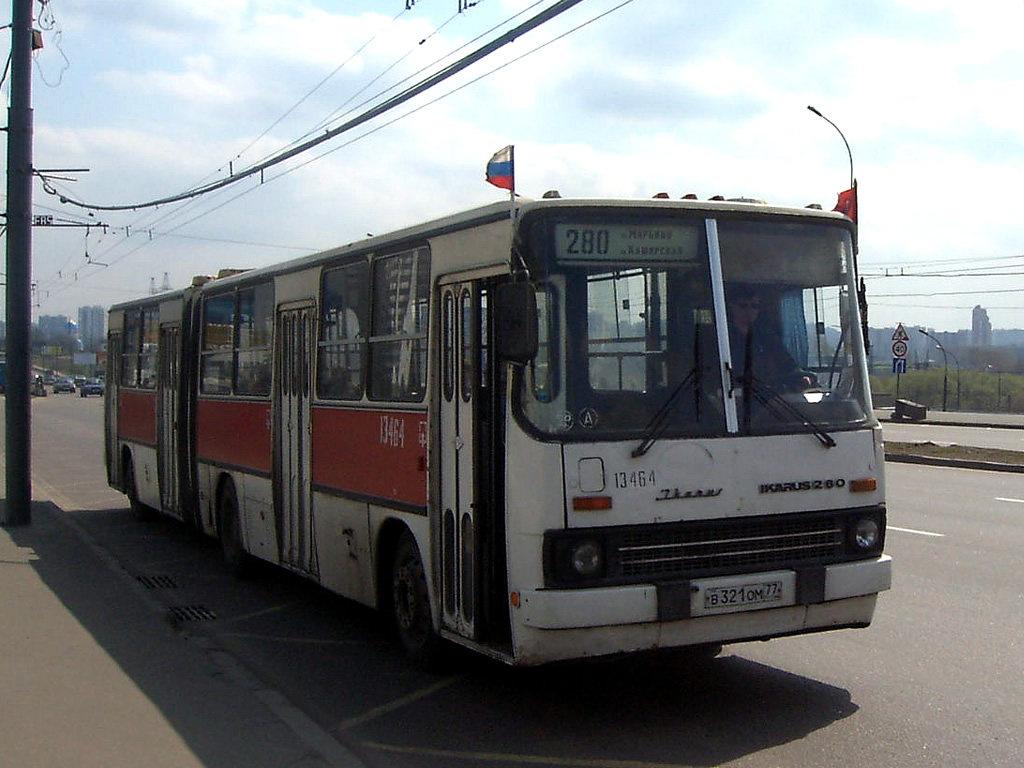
[(658, 325)]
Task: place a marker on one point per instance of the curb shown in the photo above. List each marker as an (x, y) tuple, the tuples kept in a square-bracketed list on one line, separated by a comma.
[(991, 466)]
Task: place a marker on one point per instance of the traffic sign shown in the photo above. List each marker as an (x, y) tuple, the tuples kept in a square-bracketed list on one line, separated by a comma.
[(899, 334), (899, 365), (899, 349)]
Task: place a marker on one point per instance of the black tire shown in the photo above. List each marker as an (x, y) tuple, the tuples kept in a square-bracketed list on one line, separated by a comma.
[(140, 511), (237, 560), (410, 606)]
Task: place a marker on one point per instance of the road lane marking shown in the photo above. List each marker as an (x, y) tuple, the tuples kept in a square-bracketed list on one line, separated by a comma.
[(518, 759), (391, 706), (1013, 501), (919, 533)]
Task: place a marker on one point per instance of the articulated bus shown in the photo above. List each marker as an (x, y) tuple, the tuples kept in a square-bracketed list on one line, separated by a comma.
[(531, 429)]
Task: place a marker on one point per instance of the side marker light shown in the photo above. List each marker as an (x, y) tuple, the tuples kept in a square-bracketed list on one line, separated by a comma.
[(863, 485)]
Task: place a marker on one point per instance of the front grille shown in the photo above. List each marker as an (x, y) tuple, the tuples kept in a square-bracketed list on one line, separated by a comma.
[(663, 553), (674, 552)]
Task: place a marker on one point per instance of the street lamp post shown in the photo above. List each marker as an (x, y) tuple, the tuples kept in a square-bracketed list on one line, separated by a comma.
[(848, 152), (945, 367), (955, 360)]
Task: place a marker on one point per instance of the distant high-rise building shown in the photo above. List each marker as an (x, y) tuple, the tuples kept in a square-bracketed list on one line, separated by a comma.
[(981, 328), (91, 322), (57, 327)]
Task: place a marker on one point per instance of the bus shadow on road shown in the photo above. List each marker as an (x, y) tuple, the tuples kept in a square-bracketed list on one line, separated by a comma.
[(644, 710), (334, 659)]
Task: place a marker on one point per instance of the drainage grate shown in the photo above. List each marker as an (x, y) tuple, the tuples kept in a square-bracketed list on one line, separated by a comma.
[(157, 582), (192, 613)]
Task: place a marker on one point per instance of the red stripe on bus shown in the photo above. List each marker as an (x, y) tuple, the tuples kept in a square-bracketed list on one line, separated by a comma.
[(136, 416), (235, 433), (376, 453)]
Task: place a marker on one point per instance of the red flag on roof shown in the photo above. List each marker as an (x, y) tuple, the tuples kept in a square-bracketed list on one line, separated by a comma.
[(847, 203)]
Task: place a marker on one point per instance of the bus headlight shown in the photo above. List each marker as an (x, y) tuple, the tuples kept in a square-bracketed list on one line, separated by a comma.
[(587, 558), (865, 533)]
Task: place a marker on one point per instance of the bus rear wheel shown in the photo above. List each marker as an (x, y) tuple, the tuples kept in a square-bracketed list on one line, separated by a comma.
[(410, 606), (229, 528), (140, 511)]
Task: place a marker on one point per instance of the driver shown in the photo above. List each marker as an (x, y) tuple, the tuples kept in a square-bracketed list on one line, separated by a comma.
[(757, 349)]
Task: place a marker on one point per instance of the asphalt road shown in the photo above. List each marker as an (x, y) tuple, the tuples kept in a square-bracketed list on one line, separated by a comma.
[(936, 681), (979, 437)]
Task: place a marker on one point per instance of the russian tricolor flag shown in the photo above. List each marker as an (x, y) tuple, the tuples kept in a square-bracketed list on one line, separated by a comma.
[(501, 170)]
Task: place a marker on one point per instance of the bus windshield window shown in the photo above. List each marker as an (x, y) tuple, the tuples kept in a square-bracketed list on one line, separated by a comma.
[(632, 338), (794, 337), (627, 333)]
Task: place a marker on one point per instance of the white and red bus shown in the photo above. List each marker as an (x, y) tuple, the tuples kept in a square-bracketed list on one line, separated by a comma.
[(540, 437)]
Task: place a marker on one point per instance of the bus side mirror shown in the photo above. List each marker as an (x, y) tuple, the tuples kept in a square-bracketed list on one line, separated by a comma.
[(515, 328)]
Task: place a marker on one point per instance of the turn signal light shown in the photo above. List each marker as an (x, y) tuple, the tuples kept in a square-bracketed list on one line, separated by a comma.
[(591, 503)]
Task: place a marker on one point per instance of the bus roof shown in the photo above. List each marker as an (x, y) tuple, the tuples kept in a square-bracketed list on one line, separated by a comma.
[(472, 217)]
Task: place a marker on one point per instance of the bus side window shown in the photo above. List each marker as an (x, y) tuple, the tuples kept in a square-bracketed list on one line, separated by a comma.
[(398, 344), (342, 332), (150, 342), (218, 343), (255, 329), (130, 353)]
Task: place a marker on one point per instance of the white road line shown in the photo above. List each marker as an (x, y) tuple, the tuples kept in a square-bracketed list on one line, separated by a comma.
[(911, 530), (1014, 501)]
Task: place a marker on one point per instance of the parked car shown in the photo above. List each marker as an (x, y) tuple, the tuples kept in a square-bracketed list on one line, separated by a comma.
[(63, 385), (91, 387)]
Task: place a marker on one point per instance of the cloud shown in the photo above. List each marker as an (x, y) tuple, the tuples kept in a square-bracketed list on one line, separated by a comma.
[(672, 95)]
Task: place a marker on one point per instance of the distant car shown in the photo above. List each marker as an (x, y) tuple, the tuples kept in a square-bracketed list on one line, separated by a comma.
[(63, 385), (91, 387)]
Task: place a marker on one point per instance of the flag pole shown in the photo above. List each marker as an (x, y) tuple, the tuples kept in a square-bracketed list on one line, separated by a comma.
[(512, 188)]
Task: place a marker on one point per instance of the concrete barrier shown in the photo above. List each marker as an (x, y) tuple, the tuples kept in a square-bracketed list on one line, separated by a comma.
[(908, 409)]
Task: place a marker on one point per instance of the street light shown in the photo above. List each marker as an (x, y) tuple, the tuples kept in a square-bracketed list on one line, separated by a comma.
[(945, 367), (862, 301), (848, 152), (955, 360)]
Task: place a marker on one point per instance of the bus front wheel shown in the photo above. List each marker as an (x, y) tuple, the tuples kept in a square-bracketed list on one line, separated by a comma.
[(410, 605)]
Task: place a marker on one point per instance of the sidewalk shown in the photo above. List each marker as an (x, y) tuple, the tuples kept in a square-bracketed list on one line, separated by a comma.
[(91, 674)]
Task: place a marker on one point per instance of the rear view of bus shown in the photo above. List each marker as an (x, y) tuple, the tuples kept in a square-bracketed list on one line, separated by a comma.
[(691, 455)]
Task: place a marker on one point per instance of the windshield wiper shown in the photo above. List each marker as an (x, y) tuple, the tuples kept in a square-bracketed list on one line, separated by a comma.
[(656, 426), (780, 408), (774, 403)]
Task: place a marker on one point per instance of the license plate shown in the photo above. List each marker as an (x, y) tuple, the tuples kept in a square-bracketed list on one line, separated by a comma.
[(742, 596)]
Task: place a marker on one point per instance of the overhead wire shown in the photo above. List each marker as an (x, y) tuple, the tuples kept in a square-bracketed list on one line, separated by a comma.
[(151, 221), (387, 105), (391, 103)]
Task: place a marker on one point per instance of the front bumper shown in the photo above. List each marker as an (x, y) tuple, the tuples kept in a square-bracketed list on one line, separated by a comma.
[(647, 603)]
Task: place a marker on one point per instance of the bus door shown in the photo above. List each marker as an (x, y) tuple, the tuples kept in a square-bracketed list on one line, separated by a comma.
[(111, 389), (292, 437), (169, 374), (472, 551), (458, 469)]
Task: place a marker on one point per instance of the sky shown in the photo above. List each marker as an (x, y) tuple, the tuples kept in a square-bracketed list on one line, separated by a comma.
[(612, 98)]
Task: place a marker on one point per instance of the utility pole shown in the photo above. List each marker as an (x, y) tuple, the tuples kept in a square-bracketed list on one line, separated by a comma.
[(18, 400)]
